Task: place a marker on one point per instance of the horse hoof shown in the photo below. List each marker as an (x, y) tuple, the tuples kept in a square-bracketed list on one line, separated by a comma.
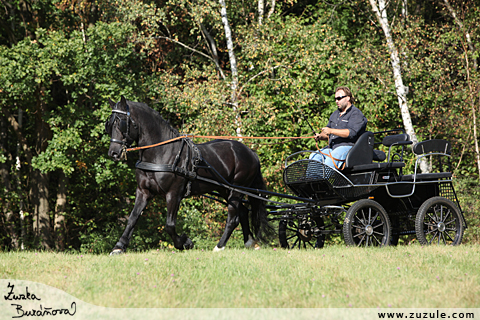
[(216, 249), (188, 245), (250, 243), (116, 252)]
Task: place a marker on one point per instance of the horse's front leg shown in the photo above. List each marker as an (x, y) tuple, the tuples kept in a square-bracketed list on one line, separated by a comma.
[(141, 200), (173, 204)]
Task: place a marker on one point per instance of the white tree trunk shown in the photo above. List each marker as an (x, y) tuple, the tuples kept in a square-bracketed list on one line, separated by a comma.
[(379, 7), (474, 113), (405, 9), (233, 65), (261, 9), (272, 9)]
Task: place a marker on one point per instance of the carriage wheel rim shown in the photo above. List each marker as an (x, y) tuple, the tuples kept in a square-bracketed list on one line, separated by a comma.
[(369, 230), (441, 226), (439, 221)]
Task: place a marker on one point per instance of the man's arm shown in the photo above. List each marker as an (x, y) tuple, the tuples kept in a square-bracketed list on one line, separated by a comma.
[(342, 133)]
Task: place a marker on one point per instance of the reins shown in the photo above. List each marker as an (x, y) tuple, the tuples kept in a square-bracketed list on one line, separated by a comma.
[(210, 137), (331, 157), (234, 137), (125, 149)]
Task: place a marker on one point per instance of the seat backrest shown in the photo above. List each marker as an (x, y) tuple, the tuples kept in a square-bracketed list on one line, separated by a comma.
[(395, 138), (439, 152), (434, 145), (361, 152), (391, 141)]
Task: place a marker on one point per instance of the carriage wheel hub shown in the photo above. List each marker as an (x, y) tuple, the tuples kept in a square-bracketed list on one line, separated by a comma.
[(305, 235), (369, 230), (441, 226)]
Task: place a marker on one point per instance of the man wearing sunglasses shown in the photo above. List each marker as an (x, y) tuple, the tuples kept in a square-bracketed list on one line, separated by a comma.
[(344, 127)]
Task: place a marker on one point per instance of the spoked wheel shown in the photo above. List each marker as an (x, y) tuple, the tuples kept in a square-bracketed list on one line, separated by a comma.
[(300, 233), (439, 221), (367, 224)]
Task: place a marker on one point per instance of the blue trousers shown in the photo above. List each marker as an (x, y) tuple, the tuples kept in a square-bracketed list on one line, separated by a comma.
[(338, 153)]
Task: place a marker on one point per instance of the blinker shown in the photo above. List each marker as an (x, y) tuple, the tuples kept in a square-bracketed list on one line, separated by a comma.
[(123, 126)]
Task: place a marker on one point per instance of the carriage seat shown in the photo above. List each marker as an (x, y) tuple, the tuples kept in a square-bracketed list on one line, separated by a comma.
[(362, 154), (438, 148), (362, 151), (389, 141)]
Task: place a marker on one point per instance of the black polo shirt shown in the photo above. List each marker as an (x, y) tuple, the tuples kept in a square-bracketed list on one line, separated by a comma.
[(353, 120)]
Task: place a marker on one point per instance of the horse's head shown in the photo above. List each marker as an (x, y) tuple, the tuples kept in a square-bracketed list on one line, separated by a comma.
[(121, 128)]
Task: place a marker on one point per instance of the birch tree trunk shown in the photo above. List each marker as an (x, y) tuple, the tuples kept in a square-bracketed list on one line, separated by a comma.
[(272, 9), (233, 66), (379, 7), (261, 9), (474, 111)]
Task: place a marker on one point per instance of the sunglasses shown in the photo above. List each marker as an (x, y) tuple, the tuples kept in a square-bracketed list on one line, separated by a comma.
[(340, 98)]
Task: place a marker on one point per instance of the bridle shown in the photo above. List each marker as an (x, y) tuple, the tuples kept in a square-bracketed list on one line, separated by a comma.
[(124, 126)]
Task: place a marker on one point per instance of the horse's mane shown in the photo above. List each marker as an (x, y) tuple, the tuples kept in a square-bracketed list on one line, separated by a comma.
[(157, 116)]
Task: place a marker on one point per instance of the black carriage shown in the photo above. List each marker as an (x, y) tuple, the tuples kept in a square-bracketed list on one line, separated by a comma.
[(372, 201)]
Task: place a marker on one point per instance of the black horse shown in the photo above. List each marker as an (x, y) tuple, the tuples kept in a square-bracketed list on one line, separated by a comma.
[(176, 168)]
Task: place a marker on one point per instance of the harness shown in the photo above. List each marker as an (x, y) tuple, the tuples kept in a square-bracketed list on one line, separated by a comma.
[(193, 162), (123, 126), (194, 157)]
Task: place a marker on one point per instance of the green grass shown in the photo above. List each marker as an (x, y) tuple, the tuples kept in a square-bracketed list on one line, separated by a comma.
[(337, 276)]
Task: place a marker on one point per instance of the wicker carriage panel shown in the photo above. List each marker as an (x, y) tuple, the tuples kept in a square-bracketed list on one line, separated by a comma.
[(312, 170), (314, 179)]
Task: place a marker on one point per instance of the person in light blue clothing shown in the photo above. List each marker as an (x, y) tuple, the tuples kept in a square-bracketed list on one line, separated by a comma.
[(345, 126)]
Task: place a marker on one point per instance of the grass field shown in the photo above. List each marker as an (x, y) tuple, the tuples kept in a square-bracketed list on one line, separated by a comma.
[(337, 276)]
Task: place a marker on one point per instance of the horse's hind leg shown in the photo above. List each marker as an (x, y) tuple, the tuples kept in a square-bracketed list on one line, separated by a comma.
[(248, 239), (236, 213)]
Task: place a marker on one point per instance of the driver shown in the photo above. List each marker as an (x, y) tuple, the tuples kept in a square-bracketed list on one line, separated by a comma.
[(345, 126)]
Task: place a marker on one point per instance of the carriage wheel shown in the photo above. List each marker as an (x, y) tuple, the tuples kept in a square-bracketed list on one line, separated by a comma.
[(367, 224), (439, 221), (299, 233)]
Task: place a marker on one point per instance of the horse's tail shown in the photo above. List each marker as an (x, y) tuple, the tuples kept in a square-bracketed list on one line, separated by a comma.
[(262, 229)]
